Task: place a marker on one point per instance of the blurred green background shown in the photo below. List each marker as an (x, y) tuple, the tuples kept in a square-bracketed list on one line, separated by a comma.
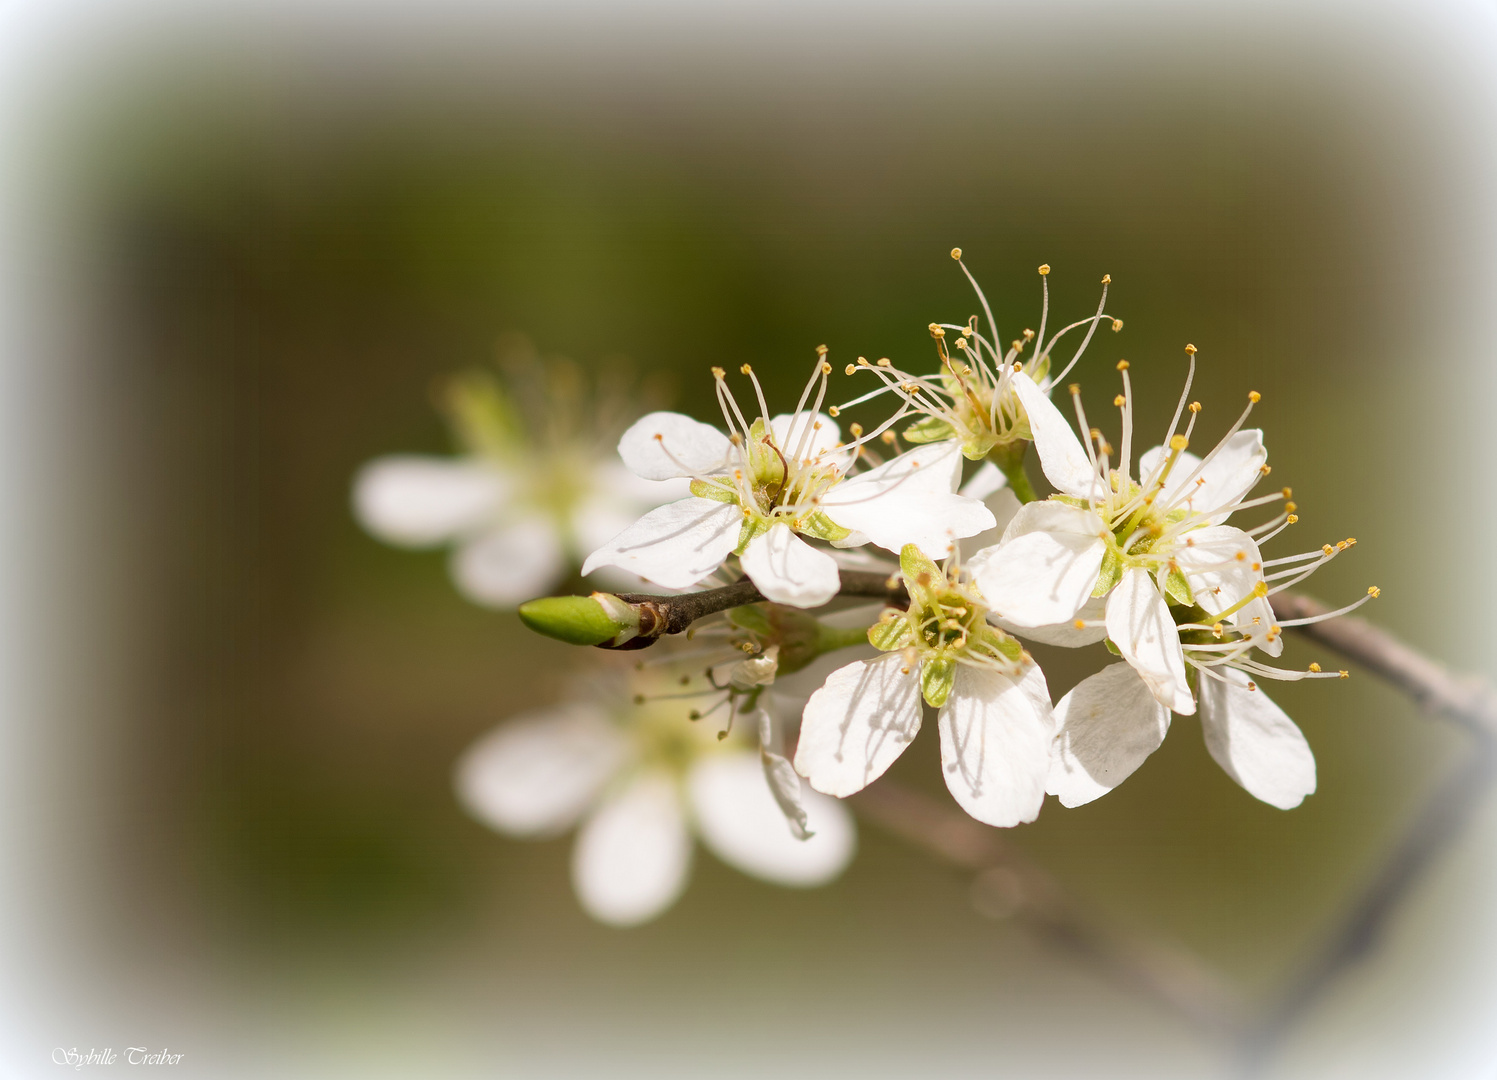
[(279, 249)]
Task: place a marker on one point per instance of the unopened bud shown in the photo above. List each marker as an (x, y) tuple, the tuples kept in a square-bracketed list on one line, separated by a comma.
[(598, 619)]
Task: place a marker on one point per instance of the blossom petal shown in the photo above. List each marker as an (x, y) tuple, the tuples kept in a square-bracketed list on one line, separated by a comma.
[(1255, 741), (1233, 471), (535, 775), (1062, 457), (858, 723), (1065, 634), (790, 428), (995, 747), (419, 501), (1046, 567), (508, 566), (739, 821), (1140, 625), (664, 445), (910, 500), (1005, 506), (1222, 565), (1105, 728), (675, 545), (788, 570), (987, 479), (633, 855)]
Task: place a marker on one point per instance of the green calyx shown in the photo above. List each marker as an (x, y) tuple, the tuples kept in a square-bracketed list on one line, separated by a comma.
[(598, 619), (943, 625), (800, 636)]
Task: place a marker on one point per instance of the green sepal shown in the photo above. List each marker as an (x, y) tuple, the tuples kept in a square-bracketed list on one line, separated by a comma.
[(892, 635), (1111, 647), (714, 490), (751, 617), (978, 446), (1038, 369), (753, 526), (577, 620), (936, 679), (929, 429), (921, 575), (1111, 572), (1176, 588), (995, 640), (482, 414), (764, 459), (821, 527)]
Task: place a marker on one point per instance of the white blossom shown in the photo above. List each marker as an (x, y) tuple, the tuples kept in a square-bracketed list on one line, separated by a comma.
[(994, 719), (763, 488), (638, 779)]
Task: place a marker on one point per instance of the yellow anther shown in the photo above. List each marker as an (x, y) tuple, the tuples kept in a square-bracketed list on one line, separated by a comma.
[(821, 350), (1217, 629), (1256, 567), (1374, 592), (1096, 434), (1045, 269), (832, 410), (1106, 279), (1241, 556), (1265, 469), (1195, 406), (888, 437), (1079, 624), (1288, 493), (1117, 324), (826, 369), (1254, 396), (1190, 349), (936, 331), (1074, 388), (967, 331), (961, 342), (1260, 589), (1120, 401), (1326, 549), (1342, 546), (1179, 442), (1349, 541), (850, 368), (746, 370), (956, 253), (856, 429), (883, 361), (863, 361), (1292, 518), (1291, 507), (1028, 335), (1344, 673), (718, 373), (1107, 449), (1315, 668), (1252, 685), (1122, 365)]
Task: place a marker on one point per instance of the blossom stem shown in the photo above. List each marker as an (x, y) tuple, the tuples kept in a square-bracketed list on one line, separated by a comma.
[(660, 615), (1009, 457)]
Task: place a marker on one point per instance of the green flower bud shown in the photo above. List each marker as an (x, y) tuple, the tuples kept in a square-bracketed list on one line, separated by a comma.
[(598, 619)]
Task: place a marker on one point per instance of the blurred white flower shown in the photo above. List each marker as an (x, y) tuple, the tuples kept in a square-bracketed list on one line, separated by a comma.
[(758, 490), (539, 487), (639, 779), (995, 718)]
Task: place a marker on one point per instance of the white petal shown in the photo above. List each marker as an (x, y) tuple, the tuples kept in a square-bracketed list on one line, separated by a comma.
[(535, 775), (1062, 457), (1255, 742), (632, 856), (1231, 473), (1046, 567), (789, 428), (675, 545), (790, 571), (663, 445), (508, 566), (987, 479), (1065, 635), (1219, 579), (1005, 506), (738, 820), (910, 500), (995, 747), (1105, 728), (857, 724), (1140, 625), (419, 501)]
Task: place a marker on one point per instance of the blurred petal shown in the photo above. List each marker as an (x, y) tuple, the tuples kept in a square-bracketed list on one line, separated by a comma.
[(858, 723), (1255, 741), (675, 545), (418, 501), (788, 570), (633, 855), (985, 481), (510, 565), (535, 775), (1105, 728), (1062, 457), (1140, 625), (617, 499), (1046, 568), (995, 747), (663, 445), (739, 822)]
